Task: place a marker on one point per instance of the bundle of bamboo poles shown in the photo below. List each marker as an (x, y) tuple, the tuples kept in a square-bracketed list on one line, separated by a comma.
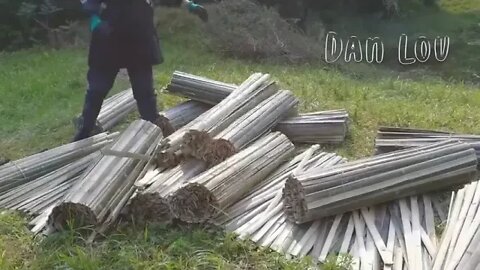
[(319, 193), (108, 183), (184, 113), (248, 95), (35, 196), (151, 204), (16, 173), (318, 127), (115, 109), (391, 138), (461, 237), (221, 186), (242, 131), (199, 88)]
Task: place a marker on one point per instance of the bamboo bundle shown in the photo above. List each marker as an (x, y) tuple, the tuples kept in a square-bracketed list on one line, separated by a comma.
[(151, 205), (32, 196), (183, 113), (242, 131), (319, 193), (268, 188), (391, 139), (316, 127), (115, 109), (16, 173), (248, 95), (221, 186), (106, 186), (460, 238), (199, 88)]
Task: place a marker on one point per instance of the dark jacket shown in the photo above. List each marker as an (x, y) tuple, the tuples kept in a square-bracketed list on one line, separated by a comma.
[(127, 35)]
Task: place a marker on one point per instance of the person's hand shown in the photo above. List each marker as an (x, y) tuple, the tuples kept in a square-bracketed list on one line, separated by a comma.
[(95, 22), (198, 10)]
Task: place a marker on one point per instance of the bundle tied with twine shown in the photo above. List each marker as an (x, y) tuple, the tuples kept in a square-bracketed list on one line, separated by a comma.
[(224, 184), (253, 91), (319, 193), (246, 129), (108, 183)]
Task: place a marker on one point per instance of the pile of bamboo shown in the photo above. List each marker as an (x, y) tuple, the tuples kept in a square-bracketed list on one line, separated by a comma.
[(461, 237), (227, 156), (326, 127), (319, 193), (105, 187), (391, 138)]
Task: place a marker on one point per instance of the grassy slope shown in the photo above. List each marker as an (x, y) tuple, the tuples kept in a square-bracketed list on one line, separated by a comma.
[(43, 90)]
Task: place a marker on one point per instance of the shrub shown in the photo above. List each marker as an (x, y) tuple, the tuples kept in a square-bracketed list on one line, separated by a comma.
[(244, 28), (23, 23)]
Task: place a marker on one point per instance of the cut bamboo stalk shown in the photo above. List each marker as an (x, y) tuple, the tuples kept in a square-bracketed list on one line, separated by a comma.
[(226, 183), (107, 182), (319, 127), (248, 95), (242, 131), (312, 194), (16, 173)]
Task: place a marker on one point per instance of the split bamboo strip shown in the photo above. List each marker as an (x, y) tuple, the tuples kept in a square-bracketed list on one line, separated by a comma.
[(391, 139), (226, 183), (246, 129), (375, 180), (456, 250), (248, 95), (16, 173), (103, 187), (317, 127)]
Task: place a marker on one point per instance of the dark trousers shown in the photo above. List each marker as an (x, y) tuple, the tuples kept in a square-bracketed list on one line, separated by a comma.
[(100, 81)]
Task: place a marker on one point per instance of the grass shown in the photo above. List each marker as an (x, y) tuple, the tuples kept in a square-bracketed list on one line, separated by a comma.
[(41, 90)]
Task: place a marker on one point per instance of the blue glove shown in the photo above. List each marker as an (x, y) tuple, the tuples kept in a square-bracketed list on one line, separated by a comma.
[(95, 21), (198, 10)]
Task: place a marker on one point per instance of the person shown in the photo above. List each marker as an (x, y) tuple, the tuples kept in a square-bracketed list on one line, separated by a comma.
[(123, 35)]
